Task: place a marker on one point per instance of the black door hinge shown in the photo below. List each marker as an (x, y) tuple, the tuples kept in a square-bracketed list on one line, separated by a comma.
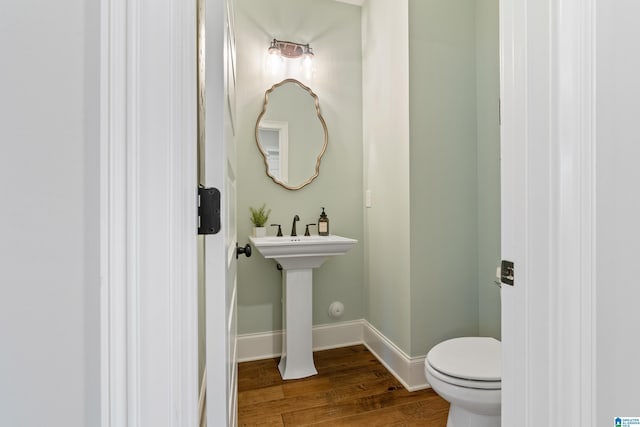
[(208, 210)]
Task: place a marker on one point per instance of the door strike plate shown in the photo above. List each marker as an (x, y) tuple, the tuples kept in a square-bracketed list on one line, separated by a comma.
[(507, 272), (208, 210)]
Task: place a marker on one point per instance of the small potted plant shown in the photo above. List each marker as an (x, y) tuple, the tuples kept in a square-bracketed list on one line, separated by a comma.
[(259, 218)]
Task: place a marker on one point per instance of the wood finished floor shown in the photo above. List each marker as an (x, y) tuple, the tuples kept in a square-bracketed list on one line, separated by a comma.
[(352, 388)]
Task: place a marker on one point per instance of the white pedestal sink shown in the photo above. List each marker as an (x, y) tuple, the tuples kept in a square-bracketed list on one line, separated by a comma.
[(298, 256)]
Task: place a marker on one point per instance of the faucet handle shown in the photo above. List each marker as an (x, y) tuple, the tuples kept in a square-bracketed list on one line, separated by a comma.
[(306, 231), (279, 229)]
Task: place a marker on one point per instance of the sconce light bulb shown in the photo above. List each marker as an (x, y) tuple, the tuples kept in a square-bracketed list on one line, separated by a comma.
[(274, 51), (274, 63), (307, 61), (307, 65)]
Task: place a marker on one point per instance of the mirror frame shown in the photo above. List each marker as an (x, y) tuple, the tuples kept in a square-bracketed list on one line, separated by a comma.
[(324, 127)]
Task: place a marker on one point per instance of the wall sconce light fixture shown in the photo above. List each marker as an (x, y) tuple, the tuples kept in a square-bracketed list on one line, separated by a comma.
[(280, 50)]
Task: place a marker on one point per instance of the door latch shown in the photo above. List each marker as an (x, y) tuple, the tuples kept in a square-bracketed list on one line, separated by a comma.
[(507, 272)]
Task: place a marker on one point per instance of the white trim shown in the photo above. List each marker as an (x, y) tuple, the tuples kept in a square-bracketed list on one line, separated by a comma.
[(135, 381), (335, 335), (202, 400), (220, 263), (282, 128), (259, 346), (118, 172), (233, 398), (513, 137), (572, 394), (266, 345), (233, 355), (183, 286), (408, 370)]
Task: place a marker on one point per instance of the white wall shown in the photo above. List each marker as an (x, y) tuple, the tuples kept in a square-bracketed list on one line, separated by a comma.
[(49, 284), (618, 210)]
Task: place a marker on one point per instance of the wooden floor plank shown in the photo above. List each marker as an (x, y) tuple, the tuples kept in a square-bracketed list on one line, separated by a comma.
[(343, 408), (260, 395), (304, 402), (258, 374), (426, 413), (267, 420), (351, 388)]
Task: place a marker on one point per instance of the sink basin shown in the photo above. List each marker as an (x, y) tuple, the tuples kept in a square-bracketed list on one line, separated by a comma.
[(302, 251), (298, 256)]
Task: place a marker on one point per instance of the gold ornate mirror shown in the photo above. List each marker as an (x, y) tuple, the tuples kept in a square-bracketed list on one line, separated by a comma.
[(291, 134)]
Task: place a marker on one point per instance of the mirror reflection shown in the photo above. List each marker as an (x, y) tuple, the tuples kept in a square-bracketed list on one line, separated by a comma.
[(291, 134)]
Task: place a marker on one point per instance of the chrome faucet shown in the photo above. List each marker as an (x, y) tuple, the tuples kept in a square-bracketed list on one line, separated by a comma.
[(293, 227)]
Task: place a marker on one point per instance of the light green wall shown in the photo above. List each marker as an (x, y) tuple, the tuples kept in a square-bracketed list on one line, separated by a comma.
[(333, 30), (428, 150), (444, 234), (488, 136), (432, 233), (386, 147)]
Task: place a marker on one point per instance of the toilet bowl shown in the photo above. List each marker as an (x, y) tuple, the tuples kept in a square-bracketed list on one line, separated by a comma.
[(467, 373)]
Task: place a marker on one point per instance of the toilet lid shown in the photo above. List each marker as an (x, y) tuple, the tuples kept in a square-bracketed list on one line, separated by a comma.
[(472, 358)]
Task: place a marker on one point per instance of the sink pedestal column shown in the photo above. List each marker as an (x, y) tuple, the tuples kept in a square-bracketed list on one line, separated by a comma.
[(298, 256), (297, 341)]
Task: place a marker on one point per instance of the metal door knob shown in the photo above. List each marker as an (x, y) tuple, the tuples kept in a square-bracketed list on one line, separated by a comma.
[(243, 250)]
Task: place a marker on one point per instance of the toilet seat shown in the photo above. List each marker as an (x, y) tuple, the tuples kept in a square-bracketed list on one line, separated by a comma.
[(460, 382), (471, 362)]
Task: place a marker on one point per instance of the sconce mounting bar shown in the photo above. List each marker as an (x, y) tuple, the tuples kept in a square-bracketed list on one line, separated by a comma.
[(290, 49)]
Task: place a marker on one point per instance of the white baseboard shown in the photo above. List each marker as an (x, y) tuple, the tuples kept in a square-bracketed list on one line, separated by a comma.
[(264, 345), (269, 344), (408, 370), (336, 335)]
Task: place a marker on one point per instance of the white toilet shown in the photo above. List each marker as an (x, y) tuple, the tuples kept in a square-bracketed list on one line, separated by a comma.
[(467, 373)]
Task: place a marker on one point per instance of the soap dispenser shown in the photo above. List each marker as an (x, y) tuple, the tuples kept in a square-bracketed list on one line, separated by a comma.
[(323, 224)]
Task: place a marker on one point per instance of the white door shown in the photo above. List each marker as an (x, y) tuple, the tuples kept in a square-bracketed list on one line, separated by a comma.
[(547, 173), (513, 140), (220, 249)]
